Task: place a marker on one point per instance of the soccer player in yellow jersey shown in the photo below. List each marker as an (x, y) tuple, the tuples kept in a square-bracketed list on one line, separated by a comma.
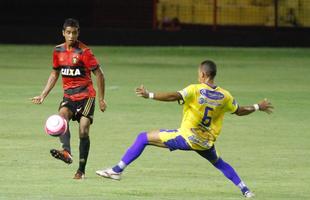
[(204, 107)]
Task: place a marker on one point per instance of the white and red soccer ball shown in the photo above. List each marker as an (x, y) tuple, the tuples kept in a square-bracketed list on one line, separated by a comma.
[(56, 125)]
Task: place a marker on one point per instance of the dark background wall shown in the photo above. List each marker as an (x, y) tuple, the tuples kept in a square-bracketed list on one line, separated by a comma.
[(91, 13), (131, 22)]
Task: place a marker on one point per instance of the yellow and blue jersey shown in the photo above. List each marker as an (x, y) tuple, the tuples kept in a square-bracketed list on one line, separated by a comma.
[(203, 113)]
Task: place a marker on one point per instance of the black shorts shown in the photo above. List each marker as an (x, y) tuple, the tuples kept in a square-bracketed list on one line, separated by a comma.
[(84, 107)]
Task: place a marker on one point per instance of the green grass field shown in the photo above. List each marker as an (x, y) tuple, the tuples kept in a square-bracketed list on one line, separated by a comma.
[(270, 152)]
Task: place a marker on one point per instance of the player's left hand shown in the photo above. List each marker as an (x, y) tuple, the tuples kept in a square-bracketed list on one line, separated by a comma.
[(102, 105)]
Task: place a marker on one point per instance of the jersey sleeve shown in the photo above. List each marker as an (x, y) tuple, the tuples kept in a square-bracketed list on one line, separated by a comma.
[(231, 104), (55, 61), (90, 60), (187, 93)]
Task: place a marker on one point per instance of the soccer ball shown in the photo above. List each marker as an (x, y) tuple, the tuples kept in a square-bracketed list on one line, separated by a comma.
[(56, 125)]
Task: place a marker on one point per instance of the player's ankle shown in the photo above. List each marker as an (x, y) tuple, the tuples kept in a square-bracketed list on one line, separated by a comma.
[(117, 169)]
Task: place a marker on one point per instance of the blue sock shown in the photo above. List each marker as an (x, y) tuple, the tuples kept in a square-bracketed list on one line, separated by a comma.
[(132, 152), (117, 169), (228, 171)]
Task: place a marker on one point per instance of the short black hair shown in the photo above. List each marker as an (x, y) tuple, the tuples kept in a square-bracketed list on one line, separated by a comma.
[(71, 22), (209, 67)]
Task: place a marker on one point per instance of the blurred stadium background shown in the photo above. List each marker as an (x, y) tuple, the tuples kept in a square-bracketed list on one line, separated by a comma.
[(160, 22), (259, 13)]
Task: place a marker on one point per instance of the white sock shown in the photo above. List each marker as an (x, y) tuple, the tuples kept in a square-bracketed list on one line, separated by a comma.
[(122, 165), (241, 185)]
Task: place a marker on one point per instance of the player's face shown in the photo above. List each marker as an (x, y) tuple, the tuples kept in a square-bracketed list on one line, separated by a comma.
[(71, 35)]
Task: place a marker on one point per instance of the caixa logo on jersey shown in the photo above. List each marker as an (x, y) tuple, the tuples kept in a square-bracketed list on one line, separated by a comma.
[(72, 71), (212, 94)]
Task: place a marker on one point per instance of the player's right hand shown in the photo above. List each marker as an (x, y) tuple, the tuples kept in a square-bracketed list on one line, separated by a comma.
[(142, 92), (37, 99), (265, 106)]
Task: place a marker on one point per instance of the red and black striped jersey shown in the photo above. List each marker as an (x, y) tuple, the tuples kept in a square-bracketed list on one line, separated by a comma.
[(75, 66)]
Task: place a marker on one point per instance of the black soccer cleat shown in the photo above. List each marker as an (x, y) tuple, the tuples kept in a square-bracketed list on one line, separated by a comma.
[(62, 155)]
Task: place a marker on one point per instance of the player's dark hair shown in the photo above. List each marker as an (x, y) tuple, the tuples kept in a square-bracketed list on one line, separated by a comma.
[(208, 67), (71, 22)]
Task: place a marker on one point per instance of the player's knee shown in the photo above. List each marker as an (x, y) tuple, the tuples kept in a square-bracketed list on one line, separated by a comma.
[(84, 134), (215, 161), (142, 137), (65, 113)]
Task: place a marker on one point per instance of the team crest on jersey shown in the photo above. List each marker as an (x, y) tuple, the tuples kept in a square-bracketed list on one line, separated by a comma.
[(75, 60)]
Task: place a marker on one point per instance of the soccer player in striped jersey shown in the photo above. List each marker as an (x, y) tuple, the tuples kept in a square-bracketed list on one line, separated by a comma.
[(204, 106), (75, 62)]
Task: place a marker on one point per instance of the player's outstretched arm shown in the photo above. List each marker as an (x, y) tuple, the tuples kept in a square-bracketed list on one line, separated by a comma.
[(52, 79), (264, 106), (160, 96)]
